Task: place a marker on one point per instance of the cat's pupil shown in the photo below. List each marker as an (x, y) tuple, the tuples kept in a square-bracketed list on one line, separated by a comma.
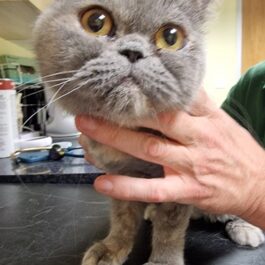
[(96, 22), (170, 36)]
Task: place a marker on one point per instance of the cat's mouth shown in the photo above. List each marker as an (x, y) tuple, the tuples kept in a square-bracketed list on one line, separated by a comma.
[(128, 81), (110, 87)]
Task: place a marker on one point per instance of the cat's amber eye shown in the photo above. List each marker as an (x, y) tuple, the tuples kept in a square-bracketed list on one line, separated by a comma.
[(170, 37), (98, 22)]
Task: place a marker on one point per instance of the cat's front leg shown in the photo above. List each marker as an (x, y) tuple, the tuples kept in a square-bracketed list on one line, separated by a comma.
[(115, 248), (170, 222)]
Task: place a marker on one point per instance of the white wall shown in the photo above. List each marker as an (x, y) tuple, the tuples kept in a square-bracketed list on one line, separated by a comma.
[(10, 48), (41, 4), (224, 51)]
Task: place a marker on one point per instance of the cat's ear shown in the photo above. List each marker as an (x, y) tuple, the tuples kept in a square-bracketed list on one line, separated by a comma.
[(204, 4), (206, 8)]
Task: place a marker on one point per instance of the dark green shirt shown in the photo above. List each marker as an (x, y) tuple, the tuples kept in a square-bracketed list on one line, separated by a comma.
[(246, 102)]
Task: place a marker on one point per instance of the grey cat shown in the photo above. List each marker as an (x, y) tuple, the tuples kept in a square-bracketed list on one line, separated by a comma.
[(126, 60)]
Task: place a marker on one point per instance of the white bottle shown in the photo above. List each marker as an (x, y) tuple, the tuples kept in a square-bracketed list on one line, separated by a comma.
[(8, 118)]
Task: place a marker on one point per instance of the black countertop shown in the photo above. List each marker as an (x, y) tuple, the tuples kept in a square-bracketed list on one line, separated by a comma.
[(44, 224), (68, 170)]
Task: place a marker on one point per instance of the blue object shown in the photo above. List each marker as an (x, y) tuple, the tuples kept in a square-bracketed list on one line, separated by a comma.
[(53, 153), (33, 157)]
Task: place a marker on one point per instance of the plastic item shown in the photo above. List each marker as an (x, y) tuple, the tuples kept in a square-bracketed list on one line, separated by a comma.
[(8, 118), (52, 153), (33, 157), (60, 123), (35, 142)]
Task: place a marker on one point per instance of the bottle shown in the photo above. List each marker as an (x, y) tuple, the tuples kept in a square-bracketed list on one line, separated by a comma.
[(8, 118)]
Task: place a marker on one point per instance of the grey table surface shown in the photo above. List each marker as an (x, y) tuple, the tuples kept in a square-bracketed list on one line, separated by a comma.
[(47, 224)]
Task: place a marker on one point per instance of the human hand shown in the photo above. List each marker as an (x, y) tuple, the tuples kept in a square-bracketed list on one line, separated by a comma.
[(210, 161)]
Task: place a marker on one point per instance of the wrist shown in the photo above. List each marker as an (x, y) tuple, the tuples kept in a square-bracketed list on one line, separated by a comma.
[(255, 210)]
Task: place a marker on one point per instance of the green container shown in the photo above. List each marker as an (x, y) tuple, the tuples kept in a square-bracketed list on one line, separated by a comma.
[(19, 69), (7, 59), (11, 71)]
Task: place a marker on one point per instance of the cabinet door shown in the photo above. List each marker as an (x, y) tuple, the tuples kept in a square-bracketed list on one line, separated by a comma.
[(253, 33)]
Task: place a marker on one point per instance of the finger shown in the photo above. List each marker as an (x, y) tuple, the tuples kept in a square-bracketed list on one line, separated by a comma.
[(179, 126), (169, 189), (141, 145), (188, 126)]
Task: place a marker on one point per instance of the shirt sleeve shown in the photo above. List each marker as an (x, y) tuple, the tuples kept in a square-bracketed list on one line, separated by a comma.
[(237, 100)]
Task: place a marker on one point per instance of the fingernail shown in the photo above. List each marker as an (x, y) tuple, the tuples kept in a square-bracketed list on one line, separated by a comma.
[(103, 185), (88, 124)]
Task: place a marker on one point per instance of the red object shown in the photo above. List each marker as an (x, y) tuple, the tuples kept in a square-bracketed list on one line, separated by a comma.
[(6, 84)]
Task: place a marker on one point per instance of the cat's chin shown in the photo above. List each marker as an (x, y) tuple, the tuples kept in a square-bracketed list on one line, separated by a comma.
[(128, 81)]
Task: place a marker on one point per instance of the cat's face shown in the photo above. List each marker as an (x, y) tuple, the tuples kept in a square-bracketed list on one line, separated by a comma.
[(130, 58)]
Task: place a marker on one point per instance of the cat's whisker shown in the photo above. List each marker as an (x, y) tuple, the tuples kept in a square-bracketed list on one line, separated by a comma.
[(54, 99), (60, 73), (32, 94), (41, 90), (56, 80), (68, 93), (42, 79), (41, 83), (48, 104)]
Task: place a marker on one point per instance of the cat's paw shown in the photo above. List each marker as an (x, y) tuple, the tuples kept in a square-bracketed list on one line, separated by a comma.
[(152, 263), (244, 233), (177, 261), (100, 254)]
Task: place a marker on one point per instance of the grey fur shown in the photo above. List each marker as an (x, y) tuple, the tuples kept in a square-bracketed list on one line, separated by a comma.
[(161, 81), (113, 88)]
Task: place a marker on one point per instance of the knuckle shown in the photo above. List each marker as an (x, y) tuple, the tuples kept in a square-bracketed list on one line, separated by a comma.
[(206, 165), (167, 119), (154, 147), (202, 169), (172, 123), (156, 195), (211, 140), (200, 194), (203, 133), (208, 133)]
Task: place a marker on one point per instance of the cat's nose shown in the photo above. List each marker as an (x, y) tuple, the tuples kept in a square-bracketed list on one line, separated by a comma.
[(132, 56)]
